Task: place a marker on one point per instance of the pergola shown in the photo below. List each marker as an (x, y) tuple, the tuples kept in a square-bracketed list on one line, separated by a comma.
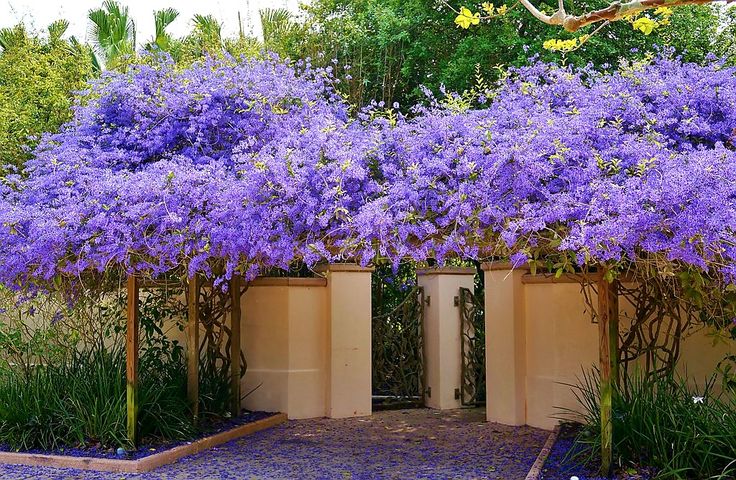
[(132, 347)]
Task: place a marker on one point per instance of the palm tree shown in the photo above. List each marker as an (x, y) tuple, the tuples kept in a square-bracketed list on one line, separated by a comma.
[(112, 31), (162, 40), (12, 37), (57, 29), (17, 36), (277, 24), (209, 31)]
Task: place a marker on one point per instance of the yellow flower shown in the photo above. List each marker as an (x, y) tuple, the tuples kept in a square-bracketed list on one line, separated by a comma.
[(557, 45), (549, 44), (466, 18), (488, 7), (664, 11), (645, 25), (502, 10)]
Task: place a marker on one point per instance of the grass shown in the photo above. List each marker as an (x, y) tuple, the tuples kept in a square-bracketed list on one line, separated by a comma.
[(81, 402), (684, 431)]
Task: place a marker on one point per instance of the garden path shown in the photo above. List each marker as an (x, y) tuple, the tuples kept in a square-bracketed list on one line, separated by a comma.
[(400, 444)]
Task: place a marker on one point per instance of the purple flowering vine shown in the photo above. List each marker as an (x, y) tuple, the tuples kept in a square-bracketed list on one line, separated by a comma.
[(257, 164)]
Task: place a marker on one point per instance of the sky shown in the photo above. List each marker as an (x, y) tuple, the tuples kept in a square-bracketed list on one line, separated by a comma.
[(40, 13)]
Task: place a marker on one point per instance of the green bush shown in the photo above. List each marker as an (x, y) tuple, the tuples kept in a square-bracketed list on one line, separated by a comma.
[(63, 380), (685, 432), (82, 402)]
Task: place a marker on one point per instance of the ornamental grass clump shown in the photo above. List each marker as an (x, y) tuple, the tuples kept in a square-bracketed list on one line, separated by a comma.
[(80, 403), (684, 430)]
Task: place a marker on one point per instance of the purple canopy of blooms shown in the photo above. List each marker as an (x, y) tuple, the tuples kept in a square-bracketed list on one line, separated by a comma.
[(257, 164)]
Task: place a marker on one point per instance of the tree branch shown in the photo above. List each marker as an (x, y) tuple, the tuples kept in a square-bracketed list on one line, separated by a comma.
[(615, 11)]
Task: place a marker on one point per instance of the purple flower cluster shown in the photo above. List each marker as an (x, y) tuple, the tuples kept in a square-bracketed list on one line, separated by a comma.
[(604, 167), (245, 165), (255, 164)]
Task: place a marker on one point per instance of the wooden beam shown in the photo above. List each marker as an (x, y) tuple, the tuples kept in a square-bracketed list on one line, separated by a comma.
[(235, 345), (608, 348), (131, 359), (193, 346)]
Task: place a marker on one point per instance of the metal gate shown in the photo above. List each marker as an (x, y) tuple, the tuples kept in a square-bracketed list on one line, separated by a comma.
[(473, 348), (398, 354)]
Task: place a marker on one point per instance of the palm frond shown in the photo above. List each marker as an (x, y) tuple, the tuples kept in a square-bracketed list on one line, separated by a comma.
[(162, 19), (276, 22), (11, 37), (57, 29), (112, 30), (207, 25)]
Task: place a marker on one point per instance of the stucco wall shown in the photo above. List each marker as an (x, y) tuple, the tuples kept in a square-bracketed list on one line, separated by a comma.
[(285, 341), (559, 341)]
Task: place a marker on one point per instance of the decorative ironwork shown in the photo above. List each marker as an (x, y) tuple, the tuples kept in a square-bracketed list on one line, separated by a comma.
[(398, 357), (473, 348)]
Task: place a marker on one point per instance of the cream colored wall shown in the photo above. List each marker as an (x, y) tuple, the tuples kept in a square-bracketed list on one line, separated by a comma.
[(308, 352), (265, 341), (561, 341), (284, 339), (505, 347), (307, 344), (548, 339), (442, 331), (348, 387)]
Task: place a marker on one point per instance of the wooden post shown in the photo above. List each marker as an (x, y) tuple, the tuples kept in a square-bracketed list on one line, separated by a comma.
[(613, 339), (235, 345), (193, 346), (608, 346), (131, 359)]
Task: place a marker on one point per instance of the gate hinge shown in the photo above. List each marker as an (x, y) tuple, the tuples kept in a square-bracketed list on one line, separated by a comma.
[(429, 391), (426, 300), (457, 394), (456, 300)]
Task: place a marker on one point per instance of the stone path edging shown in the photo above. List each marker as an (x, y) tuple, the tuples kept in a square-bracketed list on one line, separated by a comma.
[(536, 471), (144, 464)]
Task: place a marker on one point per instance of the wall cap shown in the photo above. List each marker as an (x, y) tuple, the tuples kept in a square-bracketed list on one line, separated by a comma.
[(447, 271), (342, 267), (542, 278), (288, 282), (494, 266)]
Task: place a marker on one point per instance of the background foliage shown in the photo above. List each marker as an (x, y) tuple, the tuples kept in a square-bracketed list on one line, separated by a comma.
[(394, 47), (38, 78)]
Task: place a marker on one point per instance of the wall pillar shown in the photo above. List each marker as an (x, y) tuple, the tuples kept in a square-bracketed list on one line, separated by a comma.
[(348, 369), (284, 341), (505, 345), (442, 330)]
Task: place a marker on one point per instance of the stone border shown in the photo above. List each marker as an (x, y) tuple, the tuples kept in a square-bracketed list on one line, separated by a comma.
[(144, 464), (536, 471)]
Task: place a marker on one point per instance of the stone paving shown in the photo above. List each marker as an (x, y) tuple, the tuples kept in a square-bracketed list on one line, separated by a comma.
[(401, 444)]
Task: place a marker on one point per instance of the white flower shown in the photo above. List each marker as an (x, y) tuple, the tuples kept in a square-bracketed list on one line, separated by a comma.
[(574, 478), (698, 399)]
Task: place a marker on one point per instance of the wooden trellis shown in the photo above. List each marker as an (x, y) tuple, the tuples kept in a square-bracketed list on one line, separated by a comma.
[(132, 345)]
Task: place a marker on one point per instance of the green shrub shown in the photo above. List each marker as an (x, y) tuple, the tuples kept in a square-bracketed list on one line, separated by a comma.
[(82, 402), (62, 372), (683, 431)]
